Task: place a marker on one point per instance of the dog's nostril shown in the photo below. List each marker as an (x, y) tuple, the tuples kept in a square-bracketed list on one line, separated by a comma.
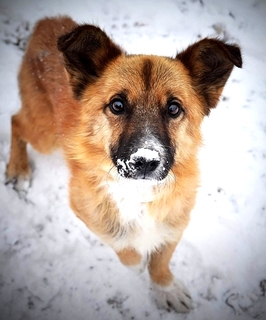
[(146, 165), (139, 164), (152, 165)]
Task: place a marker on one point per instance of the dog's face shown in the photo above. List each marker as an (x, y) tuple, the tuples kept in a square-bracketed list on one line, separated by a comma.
[(150, 113), (144, 112)]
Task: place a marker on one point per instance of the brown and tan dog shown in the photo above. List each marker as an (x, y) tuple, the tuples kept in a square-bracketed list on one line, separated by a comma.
[(129, 126)]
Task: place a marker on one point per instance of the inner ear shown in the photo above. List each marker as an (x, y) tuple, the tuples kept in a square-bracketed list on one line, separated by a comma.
[(210, 63), (87, 51)]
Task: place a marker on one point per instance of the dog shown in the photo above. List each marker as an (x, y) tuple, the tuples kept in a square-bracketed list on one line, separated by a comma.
[(129, 127)]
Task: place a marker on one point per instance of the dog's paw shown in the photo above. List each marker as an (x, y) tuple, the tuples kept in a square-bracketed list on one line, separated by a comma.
[(20, 183), (174, 296)]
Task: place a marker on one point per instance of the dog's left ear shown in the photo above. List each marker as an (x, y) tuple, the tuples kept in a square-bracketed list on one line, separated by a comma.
[(210, 62), (87, 51)]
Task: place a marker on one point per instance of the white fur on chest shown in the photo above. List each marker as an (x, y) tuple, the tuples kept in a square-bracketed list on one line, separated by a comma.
[(141, 231)]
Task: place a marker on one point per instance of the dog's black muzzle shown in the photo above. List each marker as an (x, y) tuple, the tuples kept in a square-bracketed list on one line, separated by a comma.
[(147, 158)]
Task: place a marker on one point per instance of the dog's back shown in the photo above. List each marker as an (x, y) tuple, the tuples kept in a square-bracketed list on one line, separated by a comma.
[(43, 82)]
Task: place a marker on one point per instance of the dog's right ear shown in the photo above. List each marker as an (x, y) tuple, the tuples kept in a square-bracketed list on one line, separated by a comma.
[(209, 63), (87, 51)]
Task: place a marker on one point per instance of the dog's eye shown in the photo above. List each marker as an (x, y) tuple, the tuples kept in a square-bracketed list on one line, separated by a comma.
[(117, 107), (174, 109)]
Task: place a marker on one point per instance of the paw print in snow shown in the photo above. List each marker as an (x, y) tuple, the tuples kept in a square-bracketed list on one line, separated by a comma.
[(16, 35), (252, 304)]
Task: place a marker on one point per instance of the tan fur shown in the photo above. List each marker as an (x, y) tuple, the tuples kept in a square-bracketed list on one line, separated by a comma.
[(51, 116)]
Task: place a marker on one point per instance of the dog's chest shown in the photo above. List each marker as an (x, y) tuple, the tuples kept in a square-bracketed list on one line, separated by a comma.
[(139, 228)]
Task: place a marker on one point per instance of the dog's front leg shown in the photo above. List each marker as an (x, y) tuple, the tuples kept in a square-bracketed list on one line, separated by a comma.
[(133, 260), (167, 291), (18, 169)]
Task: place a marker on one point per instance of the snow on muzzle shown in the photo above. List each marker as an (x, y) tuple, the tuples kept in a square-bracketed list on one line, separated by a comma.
[(142, 164)]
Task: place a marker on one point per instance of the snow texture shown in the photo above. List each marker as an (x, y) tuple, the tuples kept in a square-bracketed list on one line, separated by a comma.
[(146, 154), (53, 267)]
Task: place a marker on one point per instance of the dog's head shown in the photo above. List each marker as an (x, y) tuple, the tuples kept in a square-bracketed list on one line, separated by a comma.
[(142, 112)]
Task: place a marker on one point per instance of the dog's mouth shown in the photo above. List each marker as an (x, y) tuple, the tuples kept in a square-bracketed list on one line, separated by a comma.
[(145, 164)]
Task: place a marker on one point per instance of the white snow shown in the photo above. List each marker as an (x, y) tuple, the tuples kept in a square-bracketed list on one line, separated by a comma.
[(53, 267), (147, 154)]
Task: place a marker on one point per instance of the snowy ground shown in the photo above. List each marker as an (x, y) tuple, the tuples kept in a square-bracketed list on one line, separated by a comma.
[(52, 267)]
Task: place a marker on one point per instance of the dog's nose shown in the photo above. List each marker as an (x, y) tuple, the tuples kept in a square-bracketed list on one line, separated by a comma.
[(144, 166)]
